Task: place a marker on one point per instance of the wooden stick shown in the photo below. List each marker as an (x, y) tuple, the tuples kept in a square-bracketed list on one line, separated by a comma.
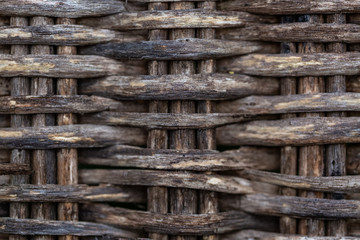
[(184, 86), (69, 34), (14, 169), (64, 8), (296, 131), (296, 65), (71, 193), (179, 49), (72, 136), (288, 7), (182, 224), (57, 66), (175, 18)]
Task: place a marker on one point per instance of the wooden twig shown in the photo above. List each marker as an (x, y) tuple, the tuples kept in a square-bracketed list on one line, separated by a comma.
[(60, 8), (184, 86), (193, 160), (14, 169), (168, 19)]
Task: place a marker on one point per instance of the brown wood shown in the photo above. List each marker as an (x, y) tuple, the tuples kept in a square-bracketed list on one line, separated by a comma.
[(182, 224), (69, 34), (295, 131), (296, 65), (300, 207), (61, 228), (72, 136), (14, 169), (218, 183), (294, 32), (62, 66), (71, 193), (64, 8), (175, 18), (179, 49), (195, 160), (185, 86), (285, 7)]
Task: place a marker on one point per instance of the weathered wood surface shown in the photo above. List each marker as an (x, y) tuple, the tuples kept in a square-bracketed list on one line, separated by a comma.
[(14, 169), (319, 102), (175, 19), (300, 207), (193, 160), (179, 49), (217, 183), (353, 159), (62, 35), (70, 193), (295, 65), (295, 131), (339, 184), (60, 8), (72, 136), (184, 86), (294, 32), (166, 120), (179, 224), (261, 235), (61, 228), (288, 7), (56, 104), (58, 66), (4, 86)]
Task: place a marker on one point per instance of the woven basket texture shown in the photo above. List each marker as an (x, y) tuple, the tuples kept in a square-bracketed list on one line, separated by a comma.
[(179, 119)]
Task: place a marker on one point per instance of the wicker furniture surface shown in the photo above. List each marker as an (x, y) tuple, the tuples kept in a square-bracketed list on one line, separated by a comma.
[(179, 119)]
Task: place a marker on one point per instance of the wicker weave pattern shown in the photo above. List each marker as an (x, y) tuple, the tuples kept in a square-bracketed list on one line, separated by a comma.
[(179, 120)]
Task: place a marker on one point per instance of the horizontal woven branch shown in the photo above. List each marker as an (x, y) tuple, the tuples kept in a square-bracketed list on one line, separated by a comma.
[(294, 32), (201, 224), (320, 102), (8, 169), (175, 19), (60, 66), (174, 87), (180, 49), (295, 131), (55, 104), (70, 193), (284, 7), (195, 160), (71, 136), (60, 8), (61, 228), (218, 183), (62, 35), (300, 207), (321, 184), (296, 65)]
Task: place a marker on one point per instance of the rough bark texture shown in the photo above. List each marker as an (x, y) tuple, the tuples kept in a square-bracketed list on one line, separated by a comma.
[(14, 169)]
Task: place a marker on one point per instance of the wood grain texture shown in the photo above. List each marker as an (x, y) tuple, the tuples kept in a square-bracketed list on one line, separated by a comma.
[(14, 169), (300, 207), (294, 32), (180, 86), (72, 136), (57, 66), (69, 34), (179, 49), (71, 193), (184, 224), (288, 7), (64, 8), (192, 160), (188, 180), (295, 65), (295, 131), (61, 228), (175, 18)]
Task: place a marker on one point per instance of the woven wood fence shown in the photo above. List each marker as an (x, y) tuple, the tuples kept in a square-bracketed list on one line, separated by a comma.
[(184, 119)]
